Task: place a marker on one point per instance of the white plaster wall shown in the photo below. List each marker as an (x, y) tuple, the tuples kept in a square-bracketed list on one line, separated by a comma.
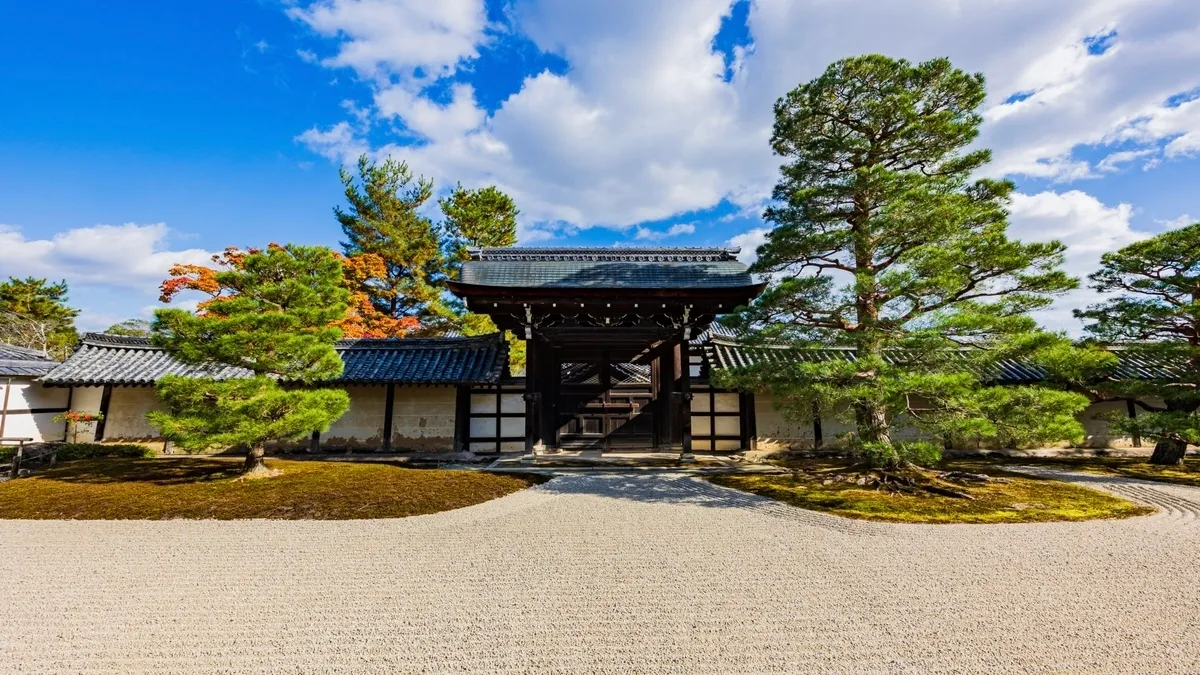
[(1096, 427), (25, 394), (771, 424), (362, 425), (126, 419), (423, 418)]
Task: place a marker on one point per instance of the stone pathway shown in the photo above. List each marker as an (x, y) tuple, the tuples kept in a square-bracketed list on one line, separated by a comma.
[(608, 573)]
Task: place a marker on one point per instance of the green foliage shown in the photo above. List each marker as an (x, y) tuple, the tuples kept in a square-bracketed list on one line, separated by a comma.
[(130, 327), (1154, 319), (891, 455), (34, 314), (274, 322), (205, 413), (1009, 417), (481, 217), (885, 242), (384, 219), (72, 451)]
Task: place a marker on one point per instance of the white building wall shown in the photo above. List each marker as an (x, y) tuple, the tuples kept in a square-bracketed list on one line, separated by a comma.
[(85, 399), (126, 418), (362, 425), (26, 396), (423, 419)]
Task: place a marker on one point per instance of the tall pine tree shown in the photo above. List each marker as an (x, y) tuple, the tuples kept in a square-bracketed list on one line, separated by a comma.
[(884, 242), (384, 218)]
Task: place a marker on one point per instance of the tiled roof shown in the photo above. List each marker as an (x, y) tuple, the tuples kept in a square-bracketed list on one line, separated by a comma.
[(666, 268), (119, 360), (723, 350), (725, 353), (22, 362)]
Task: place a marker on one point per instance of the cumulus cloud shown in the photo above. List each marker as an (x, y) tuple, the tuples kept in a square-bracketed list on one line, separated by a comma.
[(413, 39), (646, 233), (650, 121), (749, 242), (1087, 226), (128, 256)]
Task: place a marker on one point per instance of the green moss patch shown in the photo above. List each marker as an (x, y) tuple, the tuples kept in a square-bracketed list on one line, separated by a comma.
[(208, 487), (1020, 499)]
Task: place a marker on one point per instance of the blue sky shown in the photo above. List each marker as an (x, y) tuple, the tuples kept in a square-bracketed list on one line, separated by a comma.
[(138, 134)]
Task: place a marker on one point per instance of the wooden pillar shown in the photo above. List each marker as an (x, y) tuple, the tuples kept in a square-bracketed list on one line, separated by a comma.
[(1131, 407), (105, 400), (749, 420), (533, 366), (817, 440), (668, 377), (389, 407), (462, 418), (4, 408), (548, 393), (685, 397)]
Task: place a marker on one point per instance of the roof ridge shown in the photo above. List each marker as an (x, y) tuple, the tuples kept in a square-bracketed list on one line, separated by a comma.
[(135, 342), (605, 253)]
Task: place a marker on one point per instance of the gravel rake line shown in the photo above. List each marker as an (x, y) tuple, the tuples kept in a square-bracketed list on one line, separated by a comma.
[(609, 574)]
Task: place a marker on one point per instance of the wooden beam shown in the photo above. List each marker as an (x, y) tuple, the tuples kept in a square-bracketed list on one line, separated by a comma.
[(462, 418), (389, 407), (685, 395), (749, 420), (817, 440), (1131, 408), (105, 401)]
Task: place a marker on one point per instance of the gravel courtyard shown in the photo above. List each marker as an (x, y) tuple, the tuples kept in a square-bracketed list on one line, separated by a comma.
[(615, 573)]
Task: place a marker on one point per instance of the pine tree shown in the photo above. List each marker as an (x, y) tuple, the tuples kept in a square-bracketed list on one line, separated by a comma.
[(884, 242), (271, 315), (384, 219), (34, 314), (1155, 320)]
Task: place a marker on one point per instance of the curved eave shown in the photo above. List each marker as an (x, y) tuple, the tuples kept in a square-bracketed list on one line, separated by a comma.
[(742, 293)]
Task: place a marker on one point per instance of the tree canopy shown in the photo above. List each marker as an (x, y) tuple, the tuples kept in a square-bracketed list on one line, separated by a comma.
[(1153, 318), (384, 219), (34, 314), (884, 241), (273, 314)]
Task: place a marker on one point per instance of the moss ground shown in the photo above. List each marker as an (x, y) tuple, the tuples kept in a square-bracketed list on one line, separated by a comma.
[(208, 487), (1022, 499)]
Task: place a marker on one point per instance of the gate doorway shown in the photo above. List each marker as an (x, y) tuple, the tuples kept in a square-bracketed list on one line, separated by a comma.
[(605, 406)]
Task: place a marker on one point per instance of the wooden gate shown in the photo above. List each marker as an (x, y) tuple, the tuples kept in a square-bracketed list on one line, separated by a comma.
[(605, 406)]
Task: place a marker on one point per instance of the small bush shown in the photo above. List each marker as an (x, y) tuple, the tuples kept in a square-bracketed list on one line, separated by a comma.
[(885, 455), (69, 451)]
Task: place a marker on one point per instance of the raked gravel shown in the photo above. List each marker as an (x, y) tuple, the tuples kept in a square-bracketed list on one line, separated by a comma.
[(608, 573)]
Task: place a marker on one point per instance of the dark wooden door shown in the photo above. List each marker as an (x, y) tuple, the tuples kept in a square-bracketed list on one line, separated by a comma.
[(605, 406)]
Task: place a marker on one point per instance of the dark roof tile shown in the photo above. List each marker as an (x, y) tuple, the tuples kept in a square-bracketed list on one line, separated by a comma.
[(119, 360)]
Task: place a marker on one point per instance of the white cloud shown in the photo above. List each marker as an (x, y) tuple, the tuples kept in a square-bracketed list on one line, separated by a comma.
[(646, 233), (1183, 220), (749, 242), (1117, 160), (412, 39), (1087, 226), (128, 256), (644, 125)]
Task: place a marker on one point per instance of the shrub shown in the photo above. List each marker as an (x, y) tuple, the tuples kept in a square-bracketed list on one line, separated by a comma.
[(889, 455), (69, 451)]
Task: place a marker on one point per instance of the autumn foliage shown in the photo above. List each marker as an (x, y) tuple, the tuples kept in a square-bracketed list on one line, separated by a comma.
[(359, 272)]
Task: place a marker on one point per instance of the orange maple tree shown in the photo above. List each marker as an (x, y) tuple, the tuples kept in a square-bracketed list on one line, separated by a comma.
[(362, 318)]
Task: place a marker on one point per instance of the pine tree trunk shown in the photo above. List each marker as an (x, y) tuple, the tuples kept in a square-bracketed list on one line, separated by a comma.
[(872, 423), (1169, 452), (255, 463)]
